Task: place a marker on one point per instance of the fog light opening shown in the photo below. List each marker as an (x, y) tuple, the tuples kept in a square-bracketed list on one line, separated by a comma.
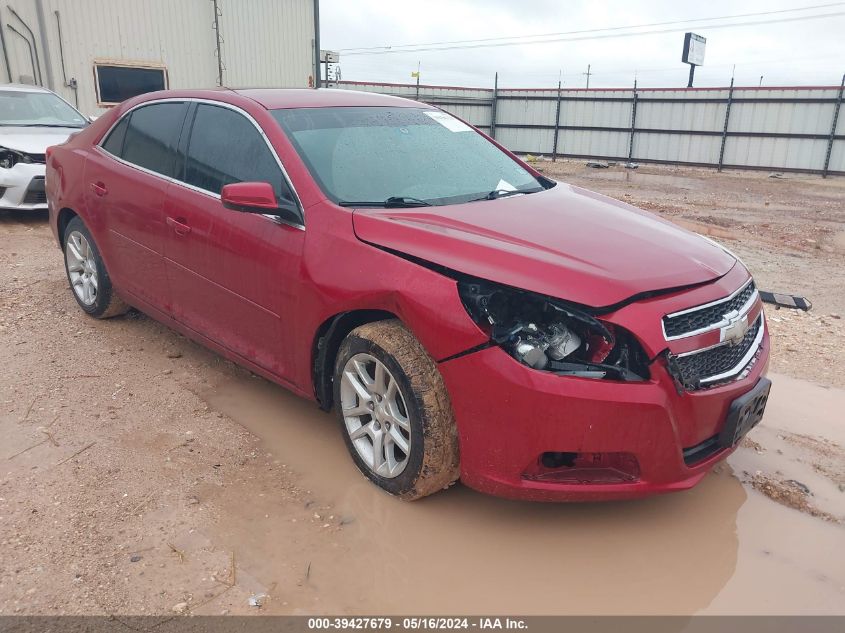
[(584, 468)]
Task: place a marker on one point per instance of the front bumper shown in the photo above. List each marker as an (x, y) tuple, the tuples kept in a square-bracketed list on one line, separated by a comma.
[(508, 415), (22, 187)]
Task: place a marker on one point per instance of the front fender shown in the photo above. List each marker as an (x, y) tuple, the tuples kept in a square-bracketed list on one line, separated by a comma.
[(343, 274)]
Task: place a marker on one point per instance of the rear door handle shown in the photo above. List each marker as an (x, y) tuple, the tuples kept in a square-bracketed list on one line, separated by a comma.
[(178, 225), (99, 188)]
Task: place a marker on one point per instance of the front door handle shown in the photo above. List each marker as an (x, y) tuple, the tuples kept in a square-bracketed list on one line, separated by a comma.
[(99, 188), (178, 225)]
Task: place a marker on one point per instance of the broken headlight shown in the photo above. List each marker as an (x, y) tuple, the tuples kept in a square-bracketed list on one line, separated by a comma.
[(9, 158), (550, 335)]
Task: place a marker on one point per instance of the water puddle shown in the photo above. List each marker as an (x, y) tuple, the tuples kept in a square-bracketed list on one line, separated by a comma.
[(720, 548)]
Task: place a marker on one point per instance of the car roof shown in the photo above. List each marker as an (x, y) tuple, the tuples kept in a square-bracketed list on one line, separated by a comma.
[(277, 98), (23, 88)]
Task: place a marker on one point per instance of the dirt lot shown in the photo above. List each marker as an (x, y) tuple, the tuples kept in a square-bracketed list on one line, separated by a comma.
[(143, 474)]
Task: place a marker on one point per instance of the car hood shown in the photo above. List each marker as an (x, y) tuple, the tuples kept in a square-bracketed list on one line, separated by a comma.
[(34, 140), (565, 242)]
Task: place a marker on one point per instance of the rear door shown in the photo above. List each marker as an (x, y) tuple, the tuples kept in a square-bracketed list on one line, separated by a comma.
[(127, 178), (234, 276)]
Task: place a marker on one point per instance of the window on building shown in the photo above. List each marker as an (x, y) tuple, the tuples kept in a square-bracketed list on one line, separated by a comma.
[(152, 136), (116, 83), (224, 148)]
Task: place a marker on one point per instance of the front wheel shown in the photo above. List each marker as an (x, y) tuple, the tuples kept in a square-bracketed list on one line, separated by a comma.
[(394, 411), (87, 274)]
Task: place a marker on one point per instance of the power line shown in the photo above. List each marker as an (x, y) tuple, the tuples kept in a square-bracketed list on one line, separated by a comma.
[(598, 37), (584, 31)]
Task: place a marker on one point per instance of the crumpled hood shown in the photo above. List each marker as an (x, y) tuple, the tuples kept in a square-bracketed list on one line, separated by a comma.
[(565, 242), (34, 140)]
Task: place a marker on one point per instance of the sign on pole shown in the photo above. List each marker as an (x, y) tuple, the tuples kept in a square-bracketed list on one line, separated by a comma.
[(694, 49), (693, 53)]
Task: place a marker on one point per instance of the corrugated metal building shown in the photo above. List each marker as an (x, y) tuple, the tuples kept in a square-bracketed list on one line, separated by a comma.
[(96, 52)]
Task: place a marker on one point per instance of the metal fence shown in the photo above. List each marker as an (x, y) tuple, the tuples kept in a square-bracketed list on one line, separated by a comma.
[(780, 128)]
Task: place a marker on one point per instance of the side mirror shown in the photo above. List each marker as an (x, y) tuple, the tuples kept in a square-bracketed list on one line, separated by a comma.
[(257, 197), (251, 197)]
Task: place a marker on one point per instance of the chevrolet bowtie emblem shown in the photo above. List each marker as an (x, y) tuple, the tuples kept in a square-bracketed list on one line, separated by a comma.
[(735, 330)]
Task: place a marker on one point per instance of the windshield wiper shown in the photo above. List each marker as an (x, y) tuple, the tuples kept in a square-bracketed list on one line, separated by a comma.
[(503, 193), (391, 202)]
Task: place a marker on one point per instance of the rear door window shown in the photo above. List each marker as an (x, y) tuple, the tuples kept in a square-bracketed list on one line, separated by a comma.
[(225, 147), (152, 137)]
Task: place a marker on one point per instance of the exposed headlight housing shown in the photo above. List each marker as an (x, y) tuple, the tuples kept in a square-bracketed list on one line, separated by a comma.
[(548, 334), (9, 158)]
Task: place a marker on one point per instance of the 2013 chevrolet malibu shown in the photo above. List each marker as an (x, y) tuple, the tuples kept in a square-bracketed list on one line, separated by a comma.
[(466, 316)]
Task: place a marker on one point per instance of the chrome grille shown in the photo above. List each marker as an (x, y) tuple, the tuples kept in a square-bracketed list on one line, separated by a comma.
[(720, 363), (706, 317)]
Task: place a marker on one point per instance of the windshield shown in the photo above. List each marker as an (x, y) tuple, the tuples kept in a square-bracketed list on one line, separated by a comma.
[(37, 109), (376, 155)]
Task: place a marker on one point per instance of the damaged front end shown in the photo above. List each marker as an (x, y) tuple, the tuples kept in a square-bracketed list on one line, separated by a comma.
[(551, 335)]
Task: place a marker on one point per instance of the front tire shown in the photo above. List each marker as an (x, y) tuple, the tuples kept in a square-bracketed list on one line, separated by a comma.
[(87, 274), (394, 411)]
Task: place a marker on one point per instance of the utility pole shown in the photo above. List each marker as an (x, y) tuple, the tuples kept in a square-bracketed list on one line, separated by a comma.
[(588, 73), (761, 81), (417, 98)]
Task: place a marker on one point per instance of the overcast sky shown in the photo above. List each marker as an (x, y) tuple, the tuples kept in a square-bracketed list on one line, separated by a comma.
[(807, 52)]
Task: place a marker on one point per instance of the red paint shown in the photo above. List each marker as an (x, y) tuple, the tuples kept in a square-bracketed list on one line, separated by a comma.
[(257, 291), (249, 195), (509, 414), (537, 242)]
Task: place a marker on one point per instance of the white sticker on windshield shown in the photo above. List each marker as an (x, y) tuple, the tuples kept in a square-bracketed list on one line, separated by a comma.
[(504, 185), (448, 121)]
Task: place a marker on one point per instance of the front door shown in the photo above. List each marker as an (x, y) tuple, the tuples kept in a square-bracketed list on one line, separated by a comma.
[(234, 275)]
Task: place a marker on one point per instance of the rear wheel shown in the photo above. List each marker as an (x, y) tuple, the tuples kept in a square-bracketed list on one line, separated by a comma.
[(87, 274), (394, 411)]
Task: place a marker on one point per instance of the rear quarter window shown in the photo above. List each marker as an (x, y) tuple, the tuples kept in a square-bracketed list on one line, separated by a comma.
[(114, 141), (152, 137)]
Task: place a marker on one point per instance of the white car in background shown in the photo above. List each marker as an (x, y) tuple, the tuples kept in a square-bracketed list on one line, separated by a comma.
[(31, 120)]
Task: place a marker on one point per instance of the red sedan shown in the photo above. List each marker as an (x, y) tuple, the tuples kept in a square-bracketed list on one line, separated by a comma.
[(465, 316)]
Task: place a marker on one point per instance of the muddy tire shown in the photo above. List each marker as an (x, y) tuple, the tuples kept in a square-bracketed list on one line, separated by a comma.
[(394, 411), (89, 279)]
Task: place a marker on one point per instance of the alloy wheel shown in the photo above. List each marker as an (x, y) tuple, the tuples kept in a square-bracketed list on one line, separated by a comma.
[(81, 268), (375, 415)]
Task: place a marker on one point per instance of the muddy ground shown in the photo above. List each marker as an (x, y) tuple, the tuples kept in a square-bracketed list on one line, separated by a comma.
[(140, 473)]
